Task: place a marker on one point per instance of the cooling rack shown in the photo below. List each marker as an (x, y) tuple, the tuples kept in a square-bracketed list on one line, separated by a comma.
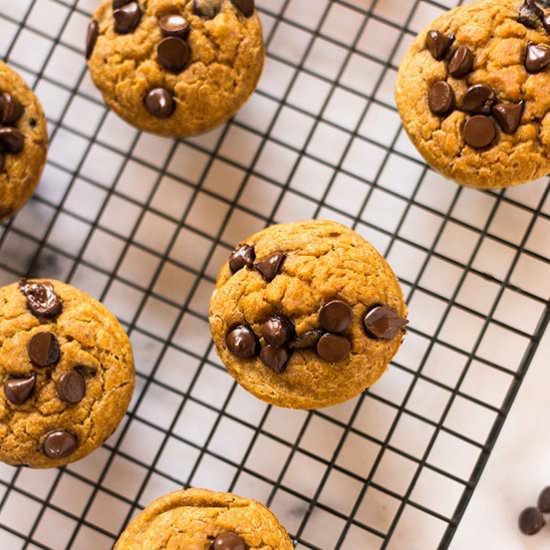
[(143, 223)]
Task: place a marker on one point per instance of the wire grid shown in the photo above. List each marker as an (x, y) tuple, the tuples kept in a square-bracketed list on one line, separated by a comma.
[(143, 223)]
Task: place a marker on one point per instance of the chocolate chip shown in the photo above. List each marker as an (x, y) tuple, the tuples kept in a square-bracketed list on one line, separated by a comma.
[(438, 44), (383, 323), (242, 256), (207, 8), (11, 140), (479, 131), (478, 99), (228, 541), (174, 25), (43, 350), (160, 103), (242, 342), (307, 340), (10, 108), (461, 62), (336, 316), (173, 54), (543, 502), (537, 58), (246, 6), (59, 444), (127, 18), (509, 115), (333, 347), (2, 164), (119, 3), (18, 390), (5, 212), (440, 98), (42, 300), (530, 14), (275, 358), (531, 521), (278, 330), (71, 387), (269, 267), (91, 37)]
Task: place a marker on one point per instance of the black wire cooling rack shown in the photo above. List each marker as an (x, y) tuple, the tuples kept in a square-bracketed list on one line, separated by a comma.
[(143, 223)]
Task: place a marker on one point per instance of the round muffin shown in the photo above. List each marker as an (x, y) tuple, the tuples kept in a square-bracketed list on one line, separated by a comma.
[(67, 370), (197, 519), (175, 67), (306, 315), (23, 142), (474, 93)]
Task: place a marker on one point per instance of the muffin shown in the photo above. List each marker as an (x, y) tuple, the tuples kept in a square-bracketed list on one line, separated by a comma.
[(197, 519), (474, 93), (175, 67), (306, 315), (67, 372), (23, 142)]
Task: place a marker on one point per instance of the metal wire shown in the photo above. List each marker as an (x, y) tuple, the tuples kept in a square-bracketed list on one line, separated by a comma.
[(47, 259)]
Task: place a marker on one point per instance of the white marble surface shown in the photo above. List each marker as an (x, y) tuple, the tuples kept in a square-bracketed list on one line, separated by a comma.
[(517, 470)]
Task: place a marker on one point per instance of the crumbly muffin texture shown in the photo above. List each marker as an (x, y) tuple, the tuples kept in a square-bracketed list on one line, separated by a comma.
[(307, 314), (175, 67), (198, 519), (67, 371), (23, 142), (474, 93)]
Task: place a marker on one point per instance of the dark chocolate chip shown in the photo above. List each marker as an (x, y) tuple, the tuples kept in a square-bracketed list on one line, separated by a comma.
[(530, 14), (242, 342), (307, 340), (461, 62), (269, 267), (333, 347), (531, 521), (441, 98), (278, 330), (228, 541), (508, 115), (71, 387), (18, 390), (173, 54), (127, 18), (10, 108), (275, 358), (59, 444), (11, 140), (242, 256), (438, 44), (336, 316), (91, 37), (478, 99), (43, 349), (543, 502), (174, 25), (383, 323), (479, 131), (537, 58), (119, 3), (160, 103), (42, 300), (207, 8), (5, 212), (246, 6), (2, 164)]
